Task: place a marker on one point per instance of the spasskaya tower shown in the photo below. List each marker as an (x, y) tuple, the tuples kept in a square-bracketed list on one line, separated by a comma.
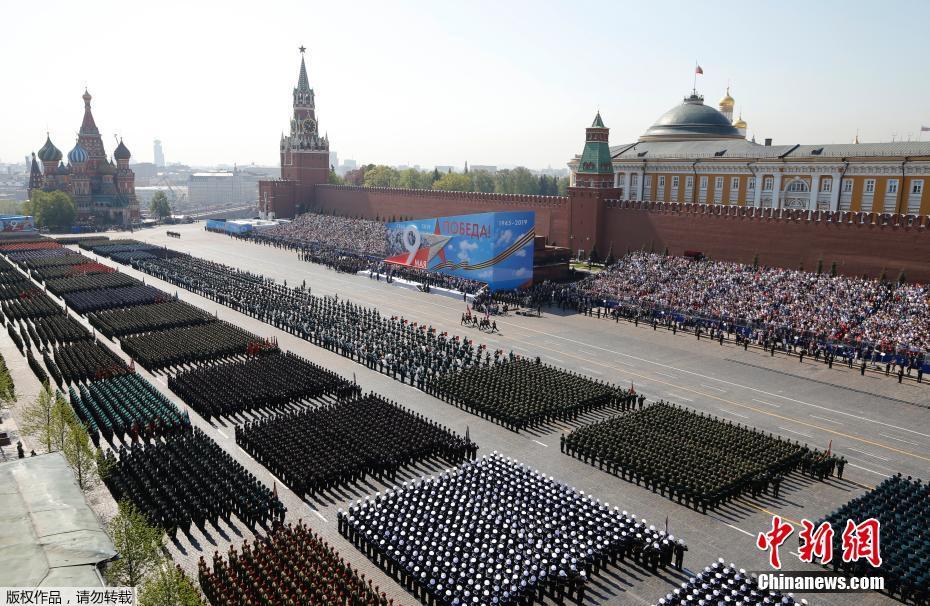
[(304, 157)]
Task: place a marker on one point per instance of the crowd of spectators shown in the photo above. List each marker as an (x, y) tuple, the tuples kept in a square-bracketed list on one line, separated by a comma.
[(757, 302), (311, 230), (351, 246)]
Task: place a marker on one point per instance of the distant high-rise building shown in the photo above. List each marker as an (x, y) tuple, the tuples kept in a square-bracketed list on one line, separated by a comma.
[(333, 159), (159, 154)]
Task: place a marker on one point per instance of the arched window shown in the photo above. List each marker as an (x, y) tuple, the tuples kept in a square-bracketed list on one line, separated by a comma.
[(798, 186)]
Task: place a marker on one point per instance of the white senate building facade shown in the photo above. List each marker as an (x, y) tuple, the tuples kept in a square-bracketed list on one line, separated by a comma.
[(697, 154)]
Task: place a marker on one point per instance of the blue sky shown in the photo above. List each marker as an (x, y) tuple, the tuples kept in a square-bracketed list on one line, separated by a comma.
[(441, 82)]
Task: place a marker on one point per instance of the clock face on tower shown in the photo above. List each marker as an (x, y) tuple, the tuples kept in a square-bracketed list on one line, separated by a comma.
[(308, 125)]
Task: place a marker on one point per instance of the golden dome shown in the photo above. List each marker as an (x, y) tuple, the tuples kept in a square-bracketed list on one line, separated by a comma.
[(727, 102), (740, 123)]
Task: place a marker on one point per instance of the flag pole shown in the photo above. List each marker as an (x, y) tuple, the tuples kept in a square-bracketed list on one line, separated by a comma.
[(694, 84)]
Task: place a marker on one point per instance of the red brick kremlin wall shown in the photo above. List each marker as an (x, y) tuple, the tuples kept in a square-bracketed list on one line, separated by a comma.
[(859, 243)]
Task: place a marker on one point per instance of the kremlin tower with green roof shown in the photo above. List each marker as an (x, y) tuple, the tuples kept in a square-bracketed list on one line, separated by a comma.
[(594, 167)]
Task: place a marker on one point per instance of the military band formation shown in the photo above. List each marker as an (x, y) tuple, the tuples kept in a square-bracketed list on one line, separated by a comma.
[(484, 531), (495, 531), (722, 584)]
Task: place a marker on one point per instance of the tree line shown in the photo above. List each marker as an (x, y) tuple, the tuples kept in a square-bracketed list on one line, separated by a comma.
[(518, 180), (143, 562)]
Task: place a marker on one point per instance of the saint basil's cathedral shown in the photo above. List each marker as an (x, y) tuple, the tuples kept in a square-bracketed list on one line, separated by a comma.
[(104, 192)]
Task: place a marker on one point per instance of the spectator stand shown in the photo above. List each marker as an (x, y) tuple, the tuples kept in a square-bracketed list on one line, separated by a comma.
[(824, 315)]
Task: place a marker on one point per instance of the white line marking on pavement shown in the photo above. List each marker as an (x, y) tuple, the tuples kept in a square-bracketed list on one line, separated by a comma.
[(319, 515), (541, 444), (591, 370), (557, 360), (735, 414), (745, 532), (710, 378), (899, 439), (825, 419), (868, 454), (220, 431), (766, 403), (714, 388), (878, 473), (665, 374), (797, 432), (624, 363), (675, 395)]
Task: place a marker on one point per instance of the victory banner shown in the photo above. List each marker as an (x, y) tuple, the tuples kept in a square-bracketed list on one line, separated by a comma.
[(16, 223), (496, 248)]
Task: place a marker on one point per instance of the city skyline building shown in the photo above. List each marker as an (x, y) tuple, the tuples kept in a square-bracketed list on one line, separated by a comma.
[(158, 154)]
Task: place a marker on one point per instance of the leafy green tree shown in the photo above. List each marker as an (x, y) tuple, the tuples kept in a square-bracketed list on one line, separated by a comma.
[(482, 181), (503, 182), (63, 418), (524, 182), (435, 176), (138, 544), (562, 187), (104, 465), (334, 179), (159, 206), (169, 586), (7, 388), (52, 209), (453, 182), (548, 186), (79, 453), (412, 178), (381, 176), (39, 419)]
